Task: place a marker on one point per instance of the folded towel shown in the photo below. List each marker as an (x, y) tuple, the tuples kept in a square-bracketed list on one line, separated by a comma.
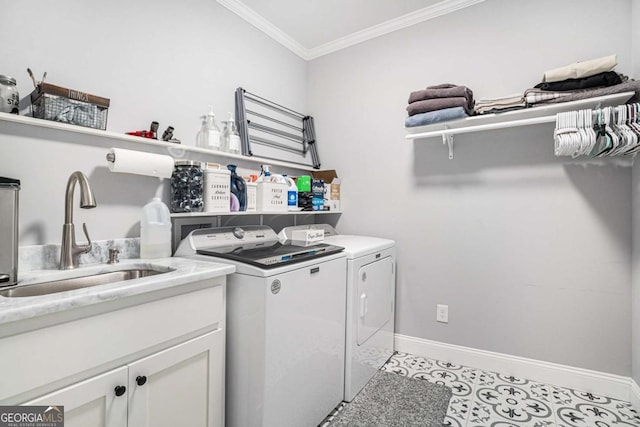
[(442, 86), (486, 105), (437, 116), (581, 69), (605, 79), (437, 104), (500, 110), (506, 99), (486, 108), (442, 91), (539, 96)]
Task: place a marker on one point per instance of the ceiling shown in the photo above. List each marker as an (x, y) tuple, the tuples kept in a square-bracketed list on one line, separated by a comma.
[(312, 28)]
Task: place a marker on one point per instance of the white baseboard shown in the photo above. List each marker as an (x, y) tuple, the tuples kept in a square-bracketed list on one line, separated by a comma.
[(610, 385), (635, 395)]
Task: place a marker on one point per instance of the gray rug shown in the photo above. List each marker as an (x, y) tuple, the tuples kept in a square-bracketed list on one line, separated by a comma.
[(392, 400)]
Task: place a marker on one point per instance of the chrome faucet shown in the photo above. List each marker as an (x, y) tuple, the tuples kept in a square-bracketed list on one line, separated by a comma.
[(71, 251)]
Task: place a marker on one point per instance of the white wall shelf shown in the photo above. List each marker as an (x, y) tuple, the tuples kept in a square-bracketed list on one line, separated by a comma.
[(136, 140), (525, 117)]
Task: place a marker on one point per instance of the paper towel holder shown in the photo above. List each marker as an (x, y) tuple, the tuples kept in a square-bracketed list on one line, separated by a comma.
[(139, 163)]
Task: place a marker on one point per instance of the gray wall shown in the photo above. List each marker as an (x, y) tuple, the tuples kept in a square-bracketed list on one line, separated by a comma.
[(156, 60), (635, 301), (530, 252)]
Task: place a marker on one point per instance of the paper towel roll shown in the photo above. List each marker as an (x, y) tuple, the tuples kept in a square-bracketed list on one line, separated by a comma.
[(136, 162)]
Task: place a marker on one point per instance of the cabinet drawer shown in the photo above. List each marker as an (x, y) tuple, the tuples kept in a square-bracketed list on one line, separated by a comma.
[(38, 358)]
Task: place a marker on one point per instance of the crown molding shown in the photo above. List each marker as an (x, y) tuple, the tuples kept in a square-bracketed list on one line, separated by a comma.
[(265, 26), (404, 21), (442, 8)]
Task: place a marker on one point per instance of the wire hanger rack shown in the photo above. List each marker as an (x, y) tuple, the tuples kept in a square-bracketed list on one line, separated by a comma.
[(286, 133)]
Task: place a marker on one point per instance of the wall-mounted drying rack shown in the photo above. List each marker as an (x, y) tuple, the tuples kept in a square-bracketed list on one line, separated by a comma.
[(525, 117), (282, 130)]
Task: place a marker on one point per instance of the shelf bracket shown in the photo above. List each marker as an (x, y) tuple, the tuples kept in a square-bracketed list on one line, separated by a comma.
[(447, 138)]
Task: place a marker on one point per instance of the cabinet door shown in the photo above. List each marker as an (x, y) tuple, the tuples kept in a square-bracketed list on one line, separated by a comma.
[(92, 402), (180, 386)]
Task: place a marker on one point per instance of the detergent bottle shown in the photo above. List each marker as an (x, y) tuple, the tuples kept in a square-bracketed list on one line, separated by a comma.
[(292, 193), (238, 189), (278, 179)]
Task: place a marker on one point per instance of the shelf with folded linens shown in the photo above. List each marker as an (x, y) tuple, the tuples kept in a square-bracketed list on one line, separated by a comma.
[(523, 117), (136, 142)]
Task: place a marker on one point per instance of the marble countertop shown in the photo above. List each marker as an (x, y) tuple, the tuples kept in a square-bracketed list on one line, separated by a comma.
[(181, 272)]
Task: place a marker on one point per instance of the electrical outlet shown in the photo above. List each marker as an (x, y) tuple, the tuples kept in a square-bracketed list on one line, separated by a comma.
[(442, 313)]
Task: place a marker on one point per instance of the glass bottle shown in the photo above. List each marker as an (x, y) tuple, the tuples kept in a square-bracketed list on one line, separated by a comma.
[(187, 187), (209, 135), (9, 98), (224, 137), (233, 142), (201, 138)]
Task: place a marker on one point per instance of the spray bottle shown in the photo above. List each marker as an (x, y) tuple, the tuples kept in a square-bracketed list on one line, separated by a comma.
[(265, 173)]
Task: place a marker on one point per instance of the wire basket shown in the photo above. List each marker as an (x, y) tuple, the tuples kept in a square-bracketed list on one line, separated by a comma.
[(64, 105)]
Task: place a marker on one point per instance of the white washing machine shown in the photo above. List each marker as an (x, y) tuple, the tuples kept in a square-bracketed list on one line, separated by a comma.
[(285, 325), (371, 284)]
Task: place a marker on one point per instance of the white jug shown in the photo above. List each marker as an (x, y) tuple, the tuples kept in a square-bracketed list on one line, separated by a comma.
[(155, 230)]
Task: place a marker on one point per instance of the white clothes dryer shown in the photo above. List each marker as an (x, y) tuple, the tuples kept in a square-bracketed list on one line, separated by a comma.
[(370, 311)]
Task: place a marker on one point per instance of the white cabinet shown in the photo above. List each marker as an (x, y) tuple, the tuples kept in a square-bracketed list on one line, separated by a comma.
[(182, 385), (92, 402), (165, 356)]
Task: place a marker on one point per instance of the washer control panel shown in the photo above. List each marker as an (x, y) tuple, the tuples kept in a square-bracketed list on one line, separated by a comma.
[(228, 236)]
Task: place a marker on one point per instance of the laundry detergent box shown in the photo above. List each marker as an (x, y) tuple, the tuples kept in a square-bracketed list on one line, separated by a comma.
[(331, 188)]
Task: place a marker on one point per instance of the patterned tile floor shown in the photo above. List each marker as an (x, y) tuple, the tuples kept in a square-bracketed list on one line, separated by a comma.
[(488, 399)]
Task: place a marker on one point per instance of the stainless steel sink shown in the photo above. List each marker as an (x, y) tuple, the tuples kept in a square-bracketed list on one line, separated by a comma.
[(62, 285)]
